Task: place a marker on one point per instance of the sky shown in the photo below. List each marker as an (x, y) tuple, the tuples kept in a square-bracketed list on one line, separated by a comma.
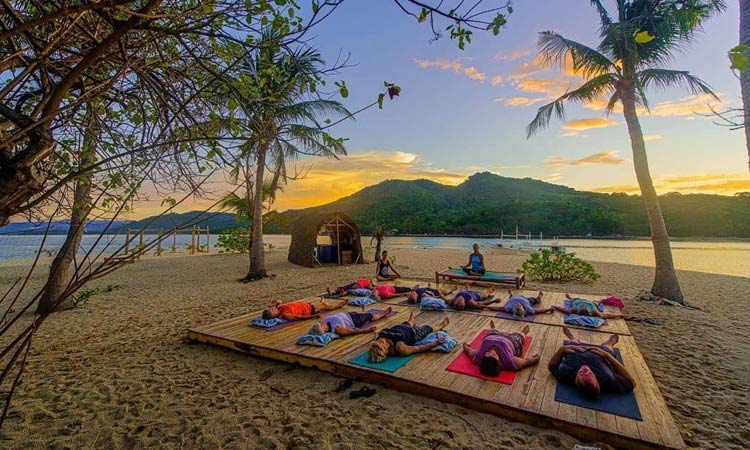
[(462, 112)]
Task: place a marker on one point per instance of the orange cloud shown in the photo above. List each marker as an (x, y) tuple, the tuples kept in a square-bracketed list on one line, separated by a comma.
[(519, 101), (702, 183), (608, 157), (652, 137), (588, 124), (551, 87), (453, 65), (512, 56), (497, 80), (685, 106), (527, 69)]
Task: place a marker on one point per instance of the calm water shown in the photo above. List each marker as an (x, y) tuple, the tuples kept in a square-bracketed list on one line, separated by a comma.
[(726, 257)]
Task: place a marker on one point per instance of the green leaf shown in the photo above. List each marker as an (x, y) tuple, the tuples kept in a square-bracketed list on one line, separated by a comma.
[(423, 15), (738, 57), (643, 37), (380, 100), (264, 21)]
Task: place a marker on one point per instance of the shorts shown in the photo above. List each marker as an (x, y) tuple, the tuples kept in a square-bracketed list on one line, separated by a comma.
[(534, 300), (360, 319), (312, 309), (421, 332)]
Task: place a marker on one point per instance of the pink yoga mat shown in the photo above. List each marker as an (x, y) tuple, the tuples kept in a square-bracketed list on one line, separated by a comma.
[(463, 365)]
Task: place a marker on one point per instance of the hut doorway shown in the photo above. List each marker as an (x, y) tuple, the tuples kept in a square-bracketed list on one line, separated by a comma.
[(331, 238)]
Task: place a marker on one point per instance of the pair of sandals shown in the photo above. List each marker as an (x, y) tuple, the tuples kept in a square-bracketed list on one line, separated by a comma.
[(364, 392)]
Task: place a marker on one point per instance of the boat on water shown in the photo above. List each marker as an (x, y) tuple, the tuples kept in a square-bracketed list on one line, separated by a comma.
[(525, 244)]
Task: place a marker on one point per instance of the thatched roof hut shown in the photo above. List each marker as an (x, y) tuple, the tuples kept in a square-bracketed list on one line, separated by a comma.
[(346, 243)]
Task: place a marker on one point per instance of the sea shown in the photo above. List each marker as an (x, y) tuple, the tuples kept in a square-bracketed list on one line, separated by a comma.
[(722, 257)]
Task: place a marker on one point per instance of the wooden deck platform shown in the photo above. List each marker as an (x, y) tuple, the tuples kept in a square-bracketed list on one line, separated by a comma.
[(530, 399)]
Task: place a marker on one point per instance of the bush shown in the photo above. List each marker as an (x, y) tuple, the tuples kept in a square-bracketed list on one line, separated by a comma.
[(558, 267), (236, 240)]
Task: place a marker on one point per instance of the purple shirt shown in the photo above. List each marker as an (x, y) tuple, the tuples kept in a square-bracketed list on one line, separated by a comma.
[(339, 320), (518, 300), (502, 345)]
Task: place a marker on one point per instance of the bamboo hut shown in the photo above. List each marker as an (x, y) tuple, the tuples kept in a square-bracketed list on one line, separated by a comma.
[(345, 246)]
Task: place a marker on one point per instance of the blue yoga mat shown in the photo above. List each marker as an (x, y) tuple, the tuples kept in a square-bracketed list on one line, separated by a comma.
[(509, 316), (623, 405), (391, 364), (498, 276)]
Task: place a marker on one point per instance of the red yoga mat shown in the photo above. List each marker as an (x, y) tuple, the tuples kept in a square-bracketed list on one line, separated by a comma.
[(463, 365)]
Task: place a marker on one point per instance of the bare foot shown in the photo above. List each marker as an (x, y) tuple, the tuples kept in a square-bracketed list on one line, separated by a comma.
[(568, 333), (328, 291), (510, 293), (612, 341), (492, 324), (411, 317), (568, 296), (467, 347), (540, 295), (445, 322), (526, 330)]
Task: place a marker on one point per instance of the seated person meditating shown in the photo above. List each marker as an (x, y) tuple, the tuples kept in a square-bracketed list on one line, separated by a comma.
[(360, 283), (384, 291), (585, 307), (500, 351), (299, 310), (384, 269), (400, 340), (591, 369), (521, 306), (471, 299), (476, 262), (348, 323), (416, 295)]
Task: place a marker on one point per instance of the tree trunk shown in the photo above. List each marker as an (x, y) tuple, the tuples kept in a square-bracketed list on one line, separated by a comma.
[(377, 249), (257, 254), (59, 273), (745, 75), (665, 279)]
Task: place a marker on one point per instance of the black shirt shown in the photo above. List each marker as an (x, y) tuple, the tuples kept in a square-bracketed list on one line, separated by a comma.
[(610, 382), (399, 333)]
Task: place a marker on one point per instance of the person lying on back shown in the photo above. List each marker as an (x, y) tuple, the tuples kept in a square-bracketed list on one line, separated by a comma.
[(299, 310), (384, 291), (594, 370), (415, 296), (585, 307), (348, 323), (467, 299), (476, 262), (384, 268), (401, 340), (360, 283), (521, 306), (500, 351)]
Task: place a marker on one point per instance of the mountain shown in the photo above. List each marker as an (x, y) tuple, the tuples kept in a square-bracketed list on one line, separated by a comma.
[(215, 221), (61, 227)]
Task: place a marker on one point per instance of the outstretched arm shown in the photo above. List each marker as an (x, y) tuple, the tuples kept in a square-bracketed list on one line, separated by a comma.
[(406, 350), (619, 368), (526, 362), (544, 310), (343, 331)]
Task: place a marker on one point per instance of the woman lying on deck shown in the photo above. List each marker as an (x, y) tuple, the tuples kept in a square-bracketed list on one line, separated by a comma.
[(384, 291), (384, 268), (348, 323), (476, 262), (592, 369), (414, 297), (521, 306), (400, 340), (585, 307), (299, 310), (500, 351), (360, 283), (471, 299)]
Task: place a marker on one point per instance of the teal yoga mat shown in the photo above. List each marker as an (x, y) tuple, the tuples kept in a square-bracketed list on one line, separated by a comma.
[(390, 365), (487, 275)]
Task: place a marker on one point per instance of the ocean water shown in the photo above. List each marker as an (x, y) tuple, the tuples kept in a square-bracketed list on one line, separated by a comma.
[(723, 257)]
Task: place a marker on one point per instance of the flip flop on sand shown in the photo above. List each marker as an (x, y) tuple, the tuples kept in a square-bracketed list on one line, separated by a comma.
[(344, 385), (364, 392)]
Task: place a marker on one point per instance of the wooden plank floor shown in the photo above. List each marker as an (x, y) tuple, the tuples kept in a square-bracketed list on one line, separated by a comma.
[(530, 399)]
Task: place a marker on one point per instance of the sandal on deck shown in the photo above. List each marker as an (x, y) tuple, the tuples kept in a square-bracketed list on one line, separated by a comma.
[(343, 385), (364, 392)]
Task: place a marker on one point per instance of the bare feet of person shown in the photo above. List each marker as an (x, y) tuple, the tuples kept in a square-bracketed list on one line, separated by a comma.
[(328, 291), (388, 311), (526, 330), (540, 295), (612, 341), (411, 317), (568, 333), (568, 296), (510, 293), (492, 324), (445, 322)]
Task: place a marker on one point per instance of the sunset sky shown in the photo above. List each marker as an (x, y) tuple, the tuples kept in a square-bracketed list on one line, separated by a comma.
[(466, 111)]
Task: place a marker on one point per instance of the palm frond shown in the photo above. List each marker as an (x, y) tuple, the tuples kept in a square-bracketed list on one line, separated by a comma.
[(554, 48), (604, 17), (665, 78)]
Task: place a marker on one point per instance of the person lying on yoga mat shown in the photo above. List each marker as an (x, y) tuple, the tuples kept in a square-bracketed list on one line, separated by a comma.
[(476, 262), (593, 370), (384, 291), (585, 307), (500, 351), (400, 340), (348, 323), (360, 283), (521, 306), (384, 269), (415, 296), (471, 299), (299, 310)]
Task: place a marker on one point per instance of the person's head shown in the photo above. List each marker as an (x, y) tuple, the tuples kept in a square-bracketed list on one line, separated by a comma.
[(375, 295), (519, 311), (378, 350), (459, 303), (489, 365), (587, 383), (384, 255), (475, 247), (270, 313), (319, 328), (412, 298)]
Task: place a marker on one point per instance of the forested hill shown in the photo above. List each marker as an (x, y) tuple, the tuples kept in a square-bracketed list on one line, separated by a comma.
[(486, 203)]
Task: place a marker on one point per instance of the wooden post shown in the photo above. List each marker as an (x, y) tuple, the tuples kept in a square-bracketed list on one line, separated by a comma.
[(140, 242), (158, 244), (208, 240), (127, 242), (338, 242), (174, 241), (192, 240)]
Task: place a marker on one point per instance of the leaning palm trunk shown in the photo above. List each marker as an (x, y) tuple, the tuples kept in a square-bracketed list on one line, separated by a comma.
[(665, 278), (745, 75), (257, 255)]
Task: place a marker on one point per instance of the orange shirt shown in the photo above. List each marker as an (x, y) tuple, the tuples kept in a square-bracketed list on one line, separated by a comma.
[(296, 308)]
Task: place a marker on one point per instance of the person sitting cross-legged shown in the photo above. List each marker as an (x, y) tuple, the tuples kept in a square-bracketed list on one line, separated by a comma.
[(384, 269), (348, 323), (400, 340), (299, 310), (500, 351)]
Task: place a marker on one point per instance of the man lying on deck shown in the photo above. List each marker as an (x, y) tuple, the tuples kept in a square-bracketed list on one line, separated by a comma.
[(384, 269), (360, 283), (592, 370), (348, 323), (521, 306), (400, 340), (471, 299), (476, 262), (384, 291), (500, 351), (585, 307), (414, 297), (299, 310)]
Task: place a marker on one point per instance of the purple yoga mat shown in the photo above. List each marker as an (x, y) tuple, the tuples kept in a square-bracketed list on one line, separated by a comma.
[(509, 316)]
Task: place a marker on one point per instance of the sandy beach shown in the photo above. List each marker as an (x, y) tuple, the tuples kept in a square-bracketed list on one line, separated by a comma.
[(115, 374)]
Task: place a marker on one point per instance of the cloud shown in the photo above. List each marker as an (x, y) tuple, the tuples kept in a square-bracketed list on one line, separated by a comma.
[(452, 65), (701, 183), (607, 157), (588, 124), (511, 167), (497, 80), (527, 69), (519, 101), (685, 106), (512, 56), (652, 137), (551, 87)]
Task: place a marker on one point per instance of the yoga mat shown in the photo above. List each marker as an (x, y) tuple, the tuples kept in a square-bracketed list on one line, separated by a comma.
[(623, 405), (463, 365), (391, 364), (509, 316), (277, 327), (374, 311), (567, 304), (498, 276)]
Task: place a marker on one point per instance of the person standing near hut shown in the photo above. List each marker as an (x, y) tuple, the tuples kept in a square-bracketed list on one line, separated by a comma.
[(384, 269)]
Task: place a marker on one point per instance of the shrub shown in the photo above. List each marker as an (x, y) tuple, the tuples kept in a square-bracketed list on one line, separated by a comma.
[(558, 267), (236, 240)]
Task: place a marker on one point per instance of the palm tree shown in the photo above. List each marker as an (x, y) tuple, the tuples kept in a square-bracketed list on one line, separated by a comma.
[(745, 74), (622, 67), (275, 91)]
